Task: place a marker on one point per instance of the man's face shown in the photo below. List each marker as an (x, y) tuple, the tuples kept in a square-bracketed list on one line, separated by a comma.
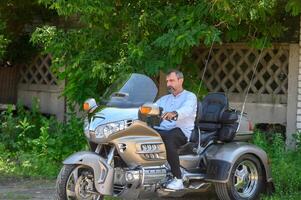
[(174, 84)]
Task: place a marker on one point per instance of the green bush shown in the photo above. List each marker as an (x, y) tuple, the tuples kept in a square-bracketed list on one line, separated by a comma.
[(285, 166), (34, 145)]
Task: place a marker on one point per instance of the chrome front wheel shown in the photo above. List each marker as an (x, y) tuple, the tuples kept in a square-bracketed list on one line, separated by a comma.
[(76, 182)]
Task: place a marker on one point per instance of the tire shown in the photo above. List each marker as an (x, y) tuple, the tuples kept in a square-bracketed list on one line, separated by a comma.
[(64, 179), (246, 189)]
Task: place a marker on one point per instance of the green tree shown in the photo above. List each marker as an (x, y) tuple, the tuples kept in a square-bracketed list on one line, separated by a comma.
[(3, 40), (294, 7), (106, 38), (18, 19)]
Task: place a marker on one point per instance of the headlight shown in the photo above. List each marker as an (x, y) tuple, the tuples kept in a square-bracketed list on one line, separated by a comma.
[(103, 131)]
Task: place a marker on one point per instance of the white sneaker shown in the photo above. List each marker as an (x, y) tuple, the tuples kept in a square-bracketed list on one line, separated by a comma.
[(175, 184)]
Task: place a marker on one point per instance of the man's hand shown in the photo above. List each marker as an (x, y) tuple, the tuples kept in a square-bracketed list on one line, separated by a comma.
[(170, 116)]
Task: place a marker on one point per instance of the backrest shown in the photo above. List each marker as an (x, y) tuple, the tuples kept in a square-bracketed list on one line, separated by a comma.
[(211, 108), (214, 118)]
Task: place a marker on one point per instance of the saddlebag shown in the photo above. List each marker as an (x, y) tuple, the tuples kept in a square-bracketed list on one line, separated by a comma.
[(229, 126), (227, 132)]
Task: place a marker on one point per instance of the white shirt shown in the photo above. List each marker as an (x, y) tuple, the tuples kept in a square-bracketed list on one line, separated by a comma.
[(185, 103)]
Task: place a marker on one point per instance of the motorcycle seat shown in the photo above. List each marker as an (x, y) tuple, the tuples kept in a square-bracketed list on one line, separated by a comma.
[(208, 121), (213, 119), (191, 146)]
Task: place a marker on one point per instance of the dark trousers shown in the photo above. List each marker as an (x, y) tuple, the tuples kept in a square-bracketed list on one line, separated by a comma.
[(173, 139)]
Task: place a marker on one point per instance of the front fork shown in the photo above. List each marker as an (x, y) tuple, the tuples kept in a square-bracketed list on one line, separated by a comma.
[(110, 155), (101, 165)]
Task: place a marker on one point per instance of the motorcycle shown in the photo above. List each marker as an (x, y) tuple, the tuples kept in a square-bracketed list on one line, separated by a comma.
[(127, 157)]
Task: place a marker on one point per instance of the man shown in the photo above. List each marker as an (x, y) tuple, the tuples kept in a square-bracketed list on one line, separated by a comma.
[(179, 111)]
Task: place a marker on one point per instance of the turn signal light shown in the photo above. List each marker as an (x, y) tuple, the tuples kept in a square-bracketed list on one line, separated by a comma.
[(145, 110), (86, 106), (89, 105)]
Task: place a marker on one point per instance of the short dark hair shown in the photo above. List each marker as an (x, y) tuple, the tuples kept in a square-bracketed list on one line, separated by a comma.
[(178, 73)]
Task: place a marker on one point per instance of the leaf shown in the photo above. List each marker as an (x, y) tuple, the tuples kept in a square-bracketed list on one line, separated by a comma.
[(293, 6), (102, 39)]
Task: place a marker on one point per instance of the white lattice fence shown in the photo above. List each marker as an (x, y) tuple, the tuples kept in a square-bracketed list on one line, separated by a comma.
[(37, 80), (38, 72), (230, 69)]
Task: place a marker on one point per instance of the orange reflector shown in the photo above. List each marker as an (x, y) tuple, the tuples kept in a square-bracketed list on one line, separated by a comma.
[(86, 106), (145, 110)]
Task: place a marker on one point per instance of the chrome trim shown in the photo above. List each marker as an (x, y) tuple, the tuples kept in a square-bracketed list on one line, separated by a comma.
[(98, 148), (110, 155), (193, 176), (246, 179)]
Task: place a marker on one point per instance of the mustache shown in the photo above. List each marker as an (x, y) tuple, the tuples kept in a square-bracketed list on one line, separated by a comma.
[(170, 89)]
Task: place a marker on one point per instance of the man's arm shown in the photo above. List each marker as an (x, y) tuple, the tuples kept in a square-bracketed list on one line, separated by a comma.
[(188, 108), (167, 115)]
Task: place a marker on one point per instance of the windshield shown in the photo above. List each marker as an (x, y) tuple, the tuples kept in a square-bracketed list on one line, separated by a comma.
[(131, 90)]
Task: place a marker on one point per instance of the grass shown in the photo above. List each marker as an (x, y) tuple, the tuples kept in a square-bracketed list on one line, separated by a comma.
[(285, 166)]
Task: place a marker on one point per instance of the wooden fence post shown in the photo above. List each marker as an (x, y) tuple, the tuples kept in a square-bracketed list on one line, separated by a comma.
[(292, 95)]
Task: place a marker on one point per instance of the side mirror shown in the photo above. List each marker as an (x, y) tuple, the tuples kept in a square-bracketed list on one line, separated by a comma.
[(150, 109), (150, 113), (90, 105)]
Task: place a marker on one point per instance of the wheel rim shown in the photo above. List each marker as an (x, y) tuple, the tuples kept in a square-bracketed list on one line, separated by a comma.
[(80, 185), (246, 179)]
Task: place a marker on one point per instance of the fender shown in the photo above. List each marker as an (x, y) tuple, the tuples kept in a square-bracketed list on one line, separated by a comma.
[(221, 158), (103, 172)]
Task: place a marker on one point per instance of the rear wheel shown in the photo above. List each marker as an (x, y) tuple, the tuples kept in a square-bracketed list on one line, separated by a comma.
[(76, 182), (246, 180)]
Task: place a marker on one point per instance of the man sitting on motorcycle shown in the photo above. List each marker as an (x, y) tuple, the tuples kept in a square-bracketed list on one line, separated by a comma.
[(179, 111)]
